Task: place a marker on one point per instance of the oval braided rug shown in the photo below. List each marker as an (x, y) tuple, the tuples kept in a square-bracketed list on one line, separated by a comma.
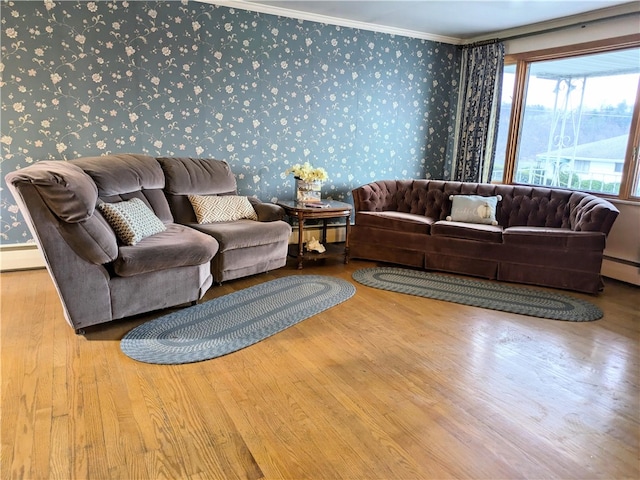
[(479, 293), (234, 321)]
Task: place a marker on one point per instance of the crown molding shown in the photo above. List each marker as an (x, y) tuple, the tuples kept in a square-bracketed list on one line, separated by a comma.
[(342, 22)]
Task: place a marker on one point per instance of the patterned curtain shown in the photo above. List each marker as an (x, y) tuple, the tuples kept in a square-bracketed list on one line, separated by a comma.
[(478, 111)]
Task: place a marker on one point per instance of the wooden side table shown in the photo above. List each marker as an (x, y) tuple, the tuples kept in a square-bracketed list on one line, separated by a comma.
[(302, 212)]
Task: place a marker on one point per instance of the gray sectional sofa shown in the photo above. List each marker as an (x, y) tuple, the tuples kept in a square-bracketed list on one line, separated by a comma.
[(98, 275), (541, 236)]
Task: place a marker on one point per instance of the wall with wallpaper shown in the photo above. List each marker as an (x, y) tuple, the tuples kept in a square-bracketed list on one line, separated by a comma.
[(194, 79)]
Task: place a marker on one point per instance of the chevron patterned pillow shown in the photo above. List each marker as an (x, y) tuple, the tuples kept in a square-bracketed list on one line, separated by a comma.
[(132, 220), (221, 208)]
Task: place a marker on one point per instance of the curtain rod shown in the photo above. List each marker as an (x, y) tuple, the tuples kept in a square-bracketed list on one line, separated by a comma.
[(549, 30)]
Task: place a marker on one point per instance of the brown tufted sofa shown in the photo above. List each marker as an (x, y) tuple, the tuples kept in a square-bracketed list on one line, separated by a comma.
[(544, 236)]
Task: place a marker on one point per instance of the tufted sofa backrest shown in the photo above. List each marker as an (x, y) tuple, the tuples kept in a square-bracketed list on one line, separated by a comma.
[(520, 205)]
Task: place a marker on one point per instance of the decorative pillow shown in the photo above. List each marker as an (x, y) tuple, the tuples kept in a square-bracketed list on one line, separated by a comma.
[(221, 208), (132, 220), (474, 209)]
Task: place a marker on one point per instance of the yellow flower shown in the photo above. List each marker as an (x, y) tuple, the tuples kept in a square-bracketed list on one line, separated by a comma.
[(307, 173)]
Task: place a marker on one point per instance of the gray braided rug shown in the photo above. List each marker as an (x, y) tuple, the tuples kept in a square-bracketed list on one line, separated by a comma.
[(234, 321), (479, 293)]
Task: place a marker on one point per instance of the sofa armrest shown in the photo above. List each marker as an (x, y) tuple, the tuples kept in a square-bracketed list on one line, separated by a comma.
[(593, 214), (267, 212)]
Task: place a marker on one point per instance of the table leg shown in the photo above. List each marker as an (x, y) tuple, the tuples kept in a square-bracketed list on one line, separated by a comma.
[(346, 238), (324, 231), (300, 240)]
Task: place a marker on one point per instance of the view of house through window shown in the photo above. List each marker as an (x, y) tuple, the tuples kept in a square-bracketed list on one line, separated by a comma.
[(576, 121)]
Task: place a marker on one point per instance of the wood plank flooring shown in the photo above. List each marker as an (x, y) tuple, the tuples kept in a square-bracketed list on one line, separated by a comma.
[(383, 386)]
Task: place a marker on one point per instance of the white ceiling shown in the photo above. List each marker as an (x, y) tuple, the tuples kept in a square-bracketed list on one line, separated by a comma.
[(453, 21)]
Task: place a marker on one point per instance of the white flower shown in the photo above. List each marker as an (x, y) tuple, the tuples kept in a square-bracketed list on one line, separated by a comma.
[(166, 51), (96, 77), (168, 115), (255, 65), (199, 150), (6, 139), (133, 117), (157, 144), (39, 52), (197, 90), (155, 81), (219, 116), (45, 123), (153, 13), (196, 26), (228, 27), (101, 145), (18, 107), (61, 147), (218, 55), (48, 4), (230, 148), (80, 39), (229, 89), (85, 108), (92, 7), (11, 32), (130, 50), (115, 25)]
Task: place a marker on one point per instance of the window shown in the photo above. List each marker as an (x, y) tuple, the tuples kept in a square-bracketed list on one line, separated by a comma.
[(570, 120)]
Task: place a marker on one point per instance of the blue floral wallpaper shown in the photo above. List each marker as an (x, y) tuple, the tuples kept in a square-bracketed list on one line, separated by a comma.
[(193, 79)]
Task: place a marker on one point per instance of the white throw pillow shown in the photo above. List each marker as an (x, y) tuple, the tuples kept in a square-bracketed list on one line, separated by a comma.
[(221, 208), (132, 220), (474, 209)]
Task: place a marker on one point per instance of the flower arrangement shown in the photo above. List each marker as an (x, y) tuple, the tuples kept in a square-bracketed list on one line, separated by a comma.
[(307, 173)]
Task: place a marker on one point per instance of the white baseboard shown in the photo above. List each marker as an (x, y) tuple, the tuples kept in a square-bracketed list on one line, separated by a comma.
[(334, 234), (24, 256), (623, 271)]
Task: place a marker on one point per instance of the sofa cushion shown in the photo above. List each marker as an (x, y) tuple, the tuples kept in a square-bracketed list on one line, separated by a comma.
[(474, 209), (246, 233), (541, 237), (122, 173), (468, 231), (400, 221), (131, 220), (199, 176), (221, 208), (177, 246), (68, 192)]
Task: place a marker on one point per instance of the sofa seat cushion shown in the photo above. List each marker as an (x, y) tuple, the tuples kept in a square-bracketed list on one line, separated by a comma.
[(177, 246), (562, 238), (468, 231), (246, 233), (399, 221)]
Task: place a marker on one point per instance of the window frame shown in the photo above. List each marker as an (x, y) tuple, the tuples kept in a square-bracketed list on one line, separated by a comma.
[(630, 173)]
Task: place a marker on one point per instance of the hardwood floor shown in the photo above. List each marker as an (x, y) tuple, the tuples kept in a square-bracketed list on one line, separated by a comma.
[(382, 386)]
